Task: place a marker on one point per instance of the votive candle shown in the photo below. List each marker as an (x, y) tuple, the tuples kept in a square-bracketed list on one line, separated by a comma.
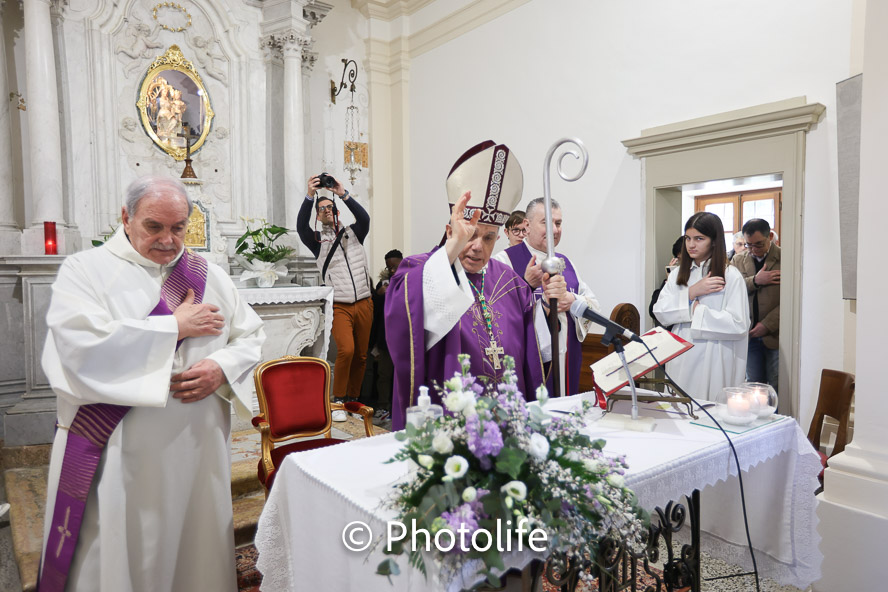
[(50, 244)]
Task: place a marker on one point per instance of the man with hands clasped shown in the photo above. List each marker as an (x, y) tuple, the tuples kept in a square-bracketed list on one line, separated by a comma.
[(760, 268), (526, 258)]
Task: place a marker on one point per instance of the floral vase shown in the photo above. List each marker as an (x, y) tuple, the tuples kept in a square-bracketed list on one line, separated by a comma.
[(265, 273)]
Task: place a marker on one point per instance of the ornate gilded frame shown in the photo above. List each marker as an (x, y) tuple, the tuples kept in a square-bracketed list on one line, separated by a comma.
[(163, 112)]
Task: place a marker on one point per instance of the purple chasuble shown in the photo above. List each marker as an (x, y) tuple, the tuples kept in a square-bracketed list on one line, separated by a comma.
[(520, 256), (511, 305), (89, 433)]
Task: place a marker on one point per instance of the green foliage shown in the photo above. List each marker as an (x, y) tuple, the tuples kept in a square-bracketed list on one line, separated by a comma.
[(258, 243), (98, 242)]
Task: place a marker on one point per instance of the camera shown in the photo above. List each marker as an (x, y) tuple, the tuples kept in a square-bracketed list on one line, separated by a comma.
[(326, 181)]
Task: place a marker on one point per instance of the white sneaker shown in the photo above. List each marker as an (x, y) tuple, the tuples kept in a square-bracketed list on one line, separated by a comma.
[(3, 509), (339, 415)]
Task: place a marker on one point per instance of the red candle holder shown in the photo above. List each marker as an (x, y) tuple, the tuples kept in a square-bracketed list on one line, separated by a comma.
[(51, 246)]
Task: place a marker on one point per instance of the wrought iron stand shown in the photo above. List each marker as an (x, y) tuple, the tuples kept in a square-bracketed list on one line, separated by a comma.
[(617, 567)]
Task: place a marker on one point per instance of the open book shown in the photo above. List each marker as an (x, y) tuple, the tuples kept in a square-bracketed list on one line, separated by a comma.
[(608, 373)]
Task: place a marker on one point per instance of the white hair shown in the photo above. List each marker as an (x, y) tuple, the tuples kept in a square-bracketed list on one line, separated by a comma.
[(738, 236), (539, 202), (151, 185)]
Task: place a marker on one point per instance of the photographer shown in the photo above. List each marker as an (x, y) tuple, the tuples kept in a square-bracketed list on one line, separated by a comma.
[(343, 265)]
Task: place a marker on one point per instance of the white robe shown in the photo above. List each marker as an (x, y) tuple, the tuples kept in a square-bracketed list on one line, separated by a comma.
[(541, 322), (718, 328), (158, 517)]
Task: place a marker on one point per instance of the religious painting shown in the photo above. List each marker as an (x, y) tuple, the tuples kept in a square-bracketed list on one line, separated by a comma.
[(197, 233), (174, 104)]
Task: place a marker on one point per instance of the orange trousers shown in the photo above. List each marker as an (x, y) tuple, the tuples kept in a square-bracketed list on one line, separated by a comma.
[(351, 332)]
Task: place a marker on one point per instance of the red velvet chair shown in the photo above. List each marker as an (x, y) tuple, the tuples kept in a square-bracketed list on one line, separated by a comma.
[(834, 400), (294, 402)]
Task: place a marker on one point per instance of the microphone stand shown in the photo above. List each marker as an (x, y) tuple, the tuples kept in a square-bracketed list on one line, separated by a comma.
[(618, 347)]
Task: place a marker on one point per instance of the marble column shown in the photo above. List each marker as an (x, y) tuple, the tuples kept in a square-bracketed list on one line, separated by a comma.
[(45, 156), (853, 508), (294, 128), (10, 237)]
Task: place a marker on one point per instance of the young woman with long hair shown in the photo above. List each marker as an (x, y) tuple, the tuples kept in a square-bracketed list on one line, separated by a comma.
[(705, 302)]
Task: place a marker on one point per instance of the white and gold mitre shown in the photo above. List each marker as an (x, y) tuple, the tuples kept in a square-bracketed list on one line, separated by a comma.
[(492, 173)]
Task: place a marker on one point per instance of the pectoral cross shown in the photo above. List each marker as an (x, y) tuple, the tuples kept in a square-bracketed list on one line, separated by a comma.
[(63, 530), (188, 173), (494, 352)]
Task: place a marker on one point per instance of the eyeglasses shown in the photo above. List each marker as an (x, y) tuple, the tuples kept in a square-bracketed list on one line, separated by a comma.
[(325, 208), (518, 231), (758, 245)]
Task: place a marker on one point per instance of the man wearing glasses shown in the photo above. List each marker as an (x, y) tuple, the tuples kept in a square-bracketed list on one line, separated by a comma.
[(343, 264), (760, 267), (515, 228)]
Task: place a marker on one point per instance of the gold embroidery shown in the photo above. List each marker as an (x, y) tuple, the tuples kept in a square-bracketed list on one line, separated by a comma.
[(410, 329), (63, 530)]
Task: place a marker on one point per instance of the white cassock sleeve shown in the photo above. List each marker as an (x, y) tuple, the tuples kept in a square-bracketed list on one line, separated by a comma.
[(92, 357), (585, 326), (443, 300), (729, 323), (243, 350), (673, 306)]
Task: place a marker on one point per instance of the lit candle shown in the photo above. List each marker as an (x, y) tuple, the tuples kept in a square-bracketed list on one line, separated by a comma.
[(762, 398), (50, 246), (738, 406)]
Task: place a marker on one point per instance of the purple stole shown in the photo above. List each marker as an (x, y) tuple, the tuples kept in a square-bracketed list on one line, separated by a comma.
[(89, 433), (520, 256), (511, 304)]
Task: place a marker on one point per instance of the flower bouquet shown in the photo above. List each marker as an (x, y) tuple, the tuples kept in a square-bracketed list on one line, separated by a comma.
[(256, 252), (500, 474)]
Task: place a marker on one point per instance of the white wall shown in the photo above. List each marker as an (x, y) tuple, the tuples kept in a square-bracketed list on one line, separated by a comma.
[(604, 71)]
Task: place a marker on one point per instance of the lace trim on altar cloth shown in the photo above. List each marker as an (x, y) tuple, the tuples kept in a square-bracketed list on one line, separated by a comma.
[(803, 567), (275, 551)]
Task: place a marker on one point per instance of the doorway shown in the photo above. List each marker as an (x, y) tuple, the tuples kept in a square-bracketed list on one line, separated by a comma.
[(764, 140)]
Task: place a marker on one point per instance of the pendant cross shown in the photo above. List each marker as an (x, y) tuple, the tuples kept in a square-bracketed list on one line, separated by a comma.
[(494, 352), (63, 530)]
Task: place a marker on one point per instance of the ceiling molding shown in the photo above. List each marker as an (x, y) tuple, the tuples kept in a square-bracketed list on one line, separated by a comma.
[(388, 10), (760, 125), (462, 21)]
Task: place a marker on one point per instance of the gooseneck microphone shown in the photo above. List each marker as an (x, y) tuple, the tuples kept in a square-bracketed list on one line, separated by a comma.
[(580, 308)]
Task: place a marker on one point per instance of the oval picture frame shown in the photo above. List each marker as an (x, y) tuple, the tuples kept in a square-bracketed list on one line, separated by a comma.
[(171, 96)]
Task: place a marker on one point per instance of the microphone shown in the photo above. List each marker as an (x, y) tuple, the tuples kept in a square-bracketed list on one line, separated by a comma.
[(579, 308)]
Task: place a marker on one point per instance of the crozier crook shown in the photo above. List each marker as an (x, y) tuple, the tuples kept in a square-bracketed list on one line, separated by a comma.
[(552, 264)]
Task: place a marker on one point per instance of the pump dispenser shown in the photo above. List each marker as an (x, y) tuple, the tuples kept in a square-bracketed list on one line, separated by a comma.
[(424, 410)]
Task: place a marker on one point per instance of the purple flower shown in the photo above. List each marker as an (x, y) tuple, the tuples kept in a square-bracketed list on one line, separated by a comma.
[(468, 514), (483, 438)]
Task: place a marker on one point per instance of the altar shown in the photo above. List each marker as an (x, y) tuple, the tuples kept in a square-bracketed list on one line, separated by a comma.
[(319, 493)]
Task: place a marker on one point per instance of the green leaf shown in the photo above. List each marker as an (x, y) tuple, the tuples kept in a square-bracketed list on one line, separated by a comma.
[(388, 567), (493, 580), (510, 461)]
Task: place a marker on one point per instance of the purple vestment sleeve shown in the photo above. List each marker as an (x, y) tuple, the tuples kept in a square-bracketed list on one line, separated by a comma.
[(511, 303)]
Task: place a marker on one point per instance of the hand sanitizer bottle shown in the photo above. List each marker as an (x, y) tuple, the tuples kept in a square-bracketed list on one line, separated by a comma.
[(424, 409)]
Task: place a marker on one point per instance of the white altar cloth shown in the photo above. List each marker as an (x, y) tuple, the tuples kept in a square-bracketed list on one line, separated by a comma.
[(317, 493)]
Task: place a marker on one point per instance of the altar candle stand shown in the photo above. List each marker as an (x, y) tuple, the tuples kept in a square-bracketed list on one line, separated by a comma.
[(50, 245)]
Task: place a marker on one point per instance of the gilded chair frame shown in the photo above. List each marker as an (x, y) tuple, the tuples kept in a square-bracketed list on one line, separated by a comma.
[(261, 421)]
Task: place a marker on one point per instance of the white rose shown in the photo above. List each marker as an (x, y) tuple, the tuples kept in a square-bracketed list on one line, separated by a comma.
[(455, 401), (442, 444), (425, 460), (455, 467), (469, 494), (539, 446), (515, 489), (616, 480)]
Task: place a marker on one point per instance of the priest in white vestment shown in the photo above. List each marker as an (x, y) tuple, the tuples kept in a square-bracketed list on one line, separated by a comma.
[(158, 516), (704, 302)]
